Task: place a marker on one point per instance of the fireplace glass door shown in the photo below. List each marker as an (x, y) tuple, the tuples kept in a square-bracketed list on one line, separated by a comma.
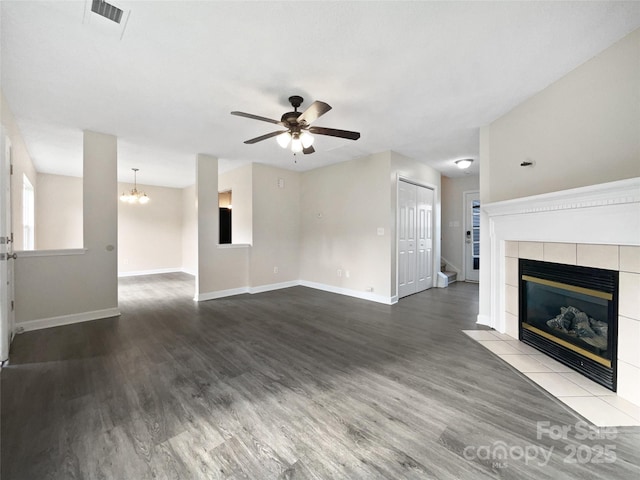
[(570, 313)]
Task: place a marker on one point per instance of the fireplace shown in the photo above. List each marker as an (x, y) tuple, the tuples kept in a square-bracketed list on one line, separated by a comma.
[(570, 313)]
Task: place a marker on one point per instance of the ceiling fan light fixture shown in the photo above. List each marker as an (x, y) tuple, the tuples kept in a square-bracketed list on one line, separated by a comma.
[(284, 139), (464, 163), (307, 139), (299, 134), (296, 144)]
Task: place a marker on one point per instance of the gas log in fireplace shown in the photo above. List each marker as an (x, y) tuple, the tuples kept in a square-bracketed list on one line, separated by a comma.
[(571, 314)]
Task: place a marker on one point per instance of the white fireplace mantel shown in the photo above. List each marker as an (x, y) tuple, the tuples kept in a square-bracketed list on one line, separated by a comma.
[(621, 192), (607, 214), (599, 215)]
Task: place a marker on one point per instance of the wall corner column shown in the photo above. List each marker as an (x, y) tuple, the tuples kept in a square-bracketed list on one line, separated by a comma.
[(485, 314), (100, 214)]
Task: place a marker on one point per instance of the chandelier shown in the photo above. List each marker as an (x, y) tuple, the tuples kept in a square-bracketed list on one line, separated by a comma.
[(135, 196)]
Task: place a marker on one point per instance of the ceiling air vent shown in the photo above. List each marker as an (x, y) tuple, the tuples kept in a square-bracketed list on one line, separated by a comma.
[(106, 10)]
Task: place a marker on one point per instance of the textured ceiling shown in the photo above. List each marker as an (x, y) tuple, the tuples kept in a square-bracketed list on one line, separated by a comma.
[(418, 78)]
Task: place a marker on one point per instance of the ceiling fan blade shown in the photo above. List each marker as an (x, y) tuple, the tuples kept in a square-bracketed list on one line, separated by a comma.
[(332, 132), (257, 117), (308, 150), (315, 111), (264, 137)]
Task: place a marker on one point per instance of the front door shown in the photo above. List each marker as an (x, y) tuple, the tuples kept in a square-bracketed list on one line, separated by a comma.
[(6, 249), (472, 236)]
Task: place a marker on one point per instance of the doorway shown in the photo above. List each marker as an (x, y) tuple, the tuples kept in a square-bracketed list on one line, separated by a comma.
[(415, 238), (472, 236)]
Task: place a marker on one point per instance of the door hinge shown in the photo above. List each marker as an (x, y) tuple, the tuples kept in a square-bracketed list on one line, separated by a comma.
[(12, 305), (11, 169), (11, 237)]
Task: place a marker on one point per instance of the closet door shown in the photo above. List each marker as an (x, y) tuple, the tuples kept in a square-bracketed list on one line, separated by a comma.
[(406, 239), (415, 238), (424, 234)]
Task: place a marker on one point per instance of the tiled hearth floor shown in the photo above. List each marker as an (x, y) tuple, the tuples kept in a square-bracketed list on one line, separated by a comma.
[(595, 403)]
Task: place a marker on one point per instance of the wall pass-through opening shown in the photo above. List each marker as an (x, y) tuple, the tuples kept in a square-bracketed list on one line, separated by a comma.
[(225, 213)]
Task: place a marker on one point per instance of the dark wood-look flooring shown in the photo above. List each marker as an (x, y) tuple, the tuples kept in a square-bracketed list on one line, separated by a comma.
[(291, 384)]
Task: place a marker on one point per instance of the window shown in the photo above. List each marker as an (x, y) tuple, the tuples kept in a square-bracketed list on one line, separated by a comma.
[(28, 214), (475, 213)]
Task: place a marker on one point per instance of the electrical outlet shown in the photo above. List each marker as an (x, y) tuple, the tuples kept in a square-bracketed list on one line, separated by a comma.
[(339, 272), (275, 269), (347, 273), (369, 289)]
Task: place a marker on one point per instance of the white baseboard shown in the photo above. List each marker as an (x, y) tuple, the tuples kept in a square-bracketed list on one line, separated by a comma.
[(274, 286), (150, 272), (373, 297), (483, 320), (66, 319), (293, 283), (201, 297)]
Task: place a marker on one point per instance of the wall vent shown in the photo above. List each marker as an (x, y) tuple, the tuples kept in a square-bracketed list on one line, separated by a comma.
[(106, 10)]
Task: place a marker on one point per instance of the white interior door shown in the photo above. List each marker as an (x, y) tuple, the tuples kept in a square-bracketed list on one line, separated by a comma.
[(406, 239), (415, 238), (472, 236), (424, 223), (6, 250)]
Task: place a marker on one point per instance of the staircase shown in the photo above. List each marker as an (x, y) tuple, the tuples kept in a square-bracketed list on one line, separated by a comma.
[(446, 278)]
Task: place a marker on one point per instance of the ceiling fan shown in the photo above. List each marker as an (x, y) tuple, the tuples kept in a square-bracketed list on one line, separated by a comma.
[(298, 127)]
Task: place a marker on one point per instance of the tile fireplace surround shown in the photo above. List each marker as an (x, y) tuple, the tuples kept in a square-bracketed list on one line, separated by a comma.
[(596, 226)]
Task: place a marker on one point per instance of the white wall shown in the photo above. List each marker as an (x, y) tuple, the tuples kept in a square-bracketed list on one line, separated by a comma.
[(58, 212), (276, 226), (453, 213), (582, 130), (150, 235), (55, 289), (342, 206), (22, 165), (240, 182), (189, 230)]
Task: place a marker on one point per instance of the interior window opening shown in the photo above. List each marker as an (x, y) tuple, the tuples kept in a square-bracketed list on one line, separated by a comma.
[(224, 207)]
